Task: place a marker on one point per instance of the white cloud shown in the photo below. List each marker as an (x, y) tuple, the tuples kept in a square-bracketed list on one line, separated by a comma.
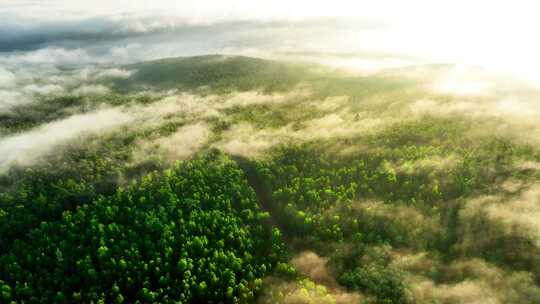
[(124, 51), (420, 28), (49, 55), (114, 73), (245, 140), (523, 209), (464, 82), (9, 99), (7, 78), (47, 89), (182, 144), (27, 148), (91, 90)]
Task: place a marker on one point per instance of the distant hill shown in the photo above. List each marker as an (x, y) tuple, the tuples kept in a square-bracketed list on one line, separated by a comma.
[(218, 72)]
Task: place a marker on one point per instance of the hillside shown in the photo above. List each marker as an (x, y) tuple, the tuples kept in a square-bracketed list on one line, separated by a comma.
[(218, 72), (229, 179)]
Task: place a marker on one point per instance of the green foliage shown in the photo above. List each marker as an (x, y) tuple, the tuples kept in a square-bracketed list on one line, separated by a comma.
[(358, 88), (220, 73), (191, 234), (90, 225), (306, 180), (62, 182), (273, 115), (386, 197), (377, 280), (367, 269), (48, 109)]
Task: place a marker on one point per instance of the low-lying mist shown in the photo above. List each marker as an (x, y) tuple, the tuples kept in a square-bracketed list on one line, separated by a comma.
[(438, 166)]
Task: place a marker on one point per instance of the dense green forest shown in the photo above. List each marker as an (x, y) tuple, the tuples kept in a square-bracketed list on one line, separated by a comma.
[(223, 179)]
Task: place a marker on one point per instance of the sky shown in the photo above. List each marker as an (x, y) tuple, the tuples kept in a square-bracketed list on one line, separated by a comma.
[(364, 35)]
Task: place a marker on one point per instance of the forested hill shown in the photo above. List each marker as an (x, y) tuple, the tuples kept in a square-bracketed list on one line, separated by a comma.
[(218, 72), (226, 179)]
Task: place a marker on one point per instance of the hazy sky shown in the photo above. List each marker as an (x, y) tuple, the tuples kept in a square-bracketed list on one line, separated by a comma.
[(500, 35)]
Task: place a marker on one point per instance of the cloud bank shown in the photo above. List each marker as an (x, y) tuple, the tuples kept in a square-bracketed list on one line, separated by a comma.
[(26, 148)]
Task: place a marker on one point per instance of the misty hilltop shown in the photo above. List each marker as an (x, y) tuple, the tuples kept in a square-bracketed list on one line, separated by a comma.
[(235, 179)]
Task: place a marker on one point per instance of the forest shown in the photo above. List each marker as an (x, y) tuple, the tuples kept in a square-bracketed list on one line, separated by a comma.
[(231, 179)]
